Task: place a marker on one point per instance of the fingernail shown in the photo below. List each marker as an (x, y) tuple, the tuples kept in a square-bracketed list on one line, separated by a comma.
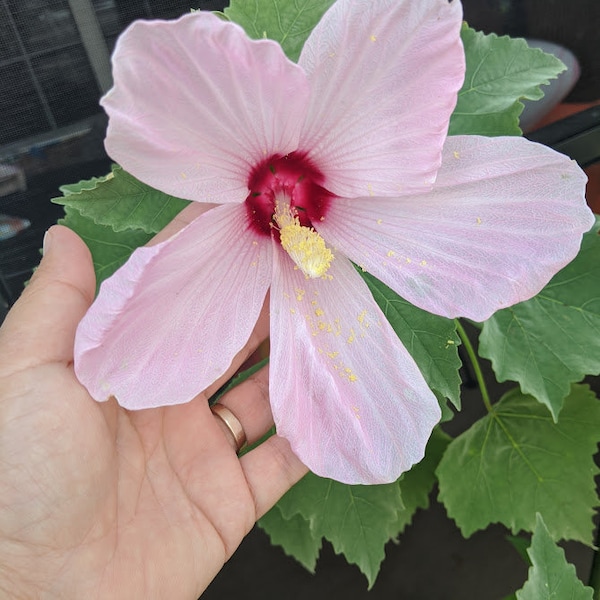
[(46, 242)]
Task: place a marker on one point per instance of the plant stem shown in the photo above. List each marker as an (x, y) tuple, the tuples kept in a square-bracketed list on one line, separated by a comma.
[(476, 366)]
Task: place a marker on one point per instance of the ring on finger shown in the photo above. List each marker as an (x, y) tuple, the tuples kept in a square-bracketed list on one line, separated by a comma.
[(232, 424)]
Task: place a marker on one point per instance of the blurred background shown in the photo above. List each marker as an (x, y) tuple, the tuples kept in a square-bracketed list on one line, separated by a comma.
[(54, 67)]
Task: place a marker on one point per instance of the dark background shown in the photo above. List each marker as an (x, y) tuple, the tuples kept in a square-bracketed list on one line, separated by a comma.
[(51, 77)]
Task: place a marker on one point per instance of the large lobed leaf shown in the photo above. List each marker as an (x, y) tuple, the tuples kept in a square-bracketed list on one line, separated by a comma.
[(553, 339), (551, 577), (289, 23), (500, 72), (109, 249), (122, 202), (516, 462), (357, 520), (294, 536)]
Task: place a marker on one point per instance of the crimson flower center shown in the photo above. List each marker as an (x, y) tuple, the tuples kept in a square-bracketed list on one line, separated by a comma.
[(292, 180)]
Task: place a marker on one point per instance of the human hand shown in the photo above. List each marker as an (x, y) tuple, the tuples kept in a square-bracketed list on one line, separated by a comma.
[(97, 501)]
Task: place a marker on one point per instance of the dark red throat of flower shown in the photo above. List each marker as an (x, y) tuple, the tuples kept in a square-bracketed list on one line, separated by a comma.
[(291, 179)]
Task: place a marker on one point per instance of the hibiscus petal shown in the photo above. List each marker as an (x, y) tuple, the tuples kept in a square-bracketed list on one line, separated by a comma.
[(169, 322), (505, 215), (196, 104), (344, 390), (384, 77)]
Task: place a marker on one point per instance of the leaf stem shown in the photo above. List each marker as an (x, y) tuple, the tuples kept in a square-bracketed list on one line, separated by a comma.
[(476, 366)]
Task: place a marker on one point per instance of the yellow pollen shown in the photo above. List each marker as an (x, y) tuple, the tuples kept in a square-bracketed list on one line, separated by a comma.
[(304, 245), (373, 38)]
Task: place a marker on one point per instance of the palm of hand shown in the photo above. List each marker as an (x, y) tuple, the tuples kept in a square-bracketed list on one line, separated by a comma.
[(96, 499)]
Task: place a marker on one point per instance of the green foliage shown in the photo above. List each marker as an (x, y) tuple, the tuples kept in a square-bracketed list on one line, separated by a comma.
[(430, 339), (516, 462), (358, 520), (500, 72), (553, 339), (416, 484), (551, 577), (115, 214), (110, 249), (289, 23), (122, 202), (294, 536)]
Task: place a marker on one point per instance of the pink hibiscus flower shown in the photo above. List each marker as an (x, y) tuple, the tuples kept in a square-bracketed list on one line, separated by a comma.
[(342, 157)]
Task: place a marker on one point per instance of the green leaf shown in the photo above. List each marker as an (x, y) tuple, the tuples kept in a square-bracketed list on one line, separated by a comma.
[(500, 72), (69, 189), (416, 485), (122, 202), (520, 544), (294, 536), (359, 520), (110, 249), (289, 22), (551, 577), (553, 339), (516, 462), (431, 340)]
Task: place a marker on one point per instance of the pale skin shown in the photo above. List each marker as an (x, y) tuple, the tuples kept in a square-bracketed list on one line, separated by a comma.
[(100, 502)]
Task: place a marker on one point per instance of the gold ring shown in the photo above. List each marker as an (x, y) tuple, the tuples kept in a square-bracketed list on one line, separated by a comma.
[(232, 424)]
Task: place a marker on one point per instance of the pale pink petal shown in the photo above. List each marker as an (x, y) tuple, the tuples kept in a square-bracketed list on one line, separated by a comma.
[(170, 321), (385, 77), (196, 104), (504, 216), (344, 390)]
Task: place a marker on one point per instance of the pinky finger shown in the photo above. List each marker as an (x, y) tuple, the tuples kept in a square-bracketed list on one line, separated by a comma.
[(271, 470)]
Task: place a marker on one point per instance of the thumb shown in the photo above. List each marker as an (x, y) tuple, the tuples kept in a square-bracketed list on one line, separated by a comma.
[(40, 328)]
